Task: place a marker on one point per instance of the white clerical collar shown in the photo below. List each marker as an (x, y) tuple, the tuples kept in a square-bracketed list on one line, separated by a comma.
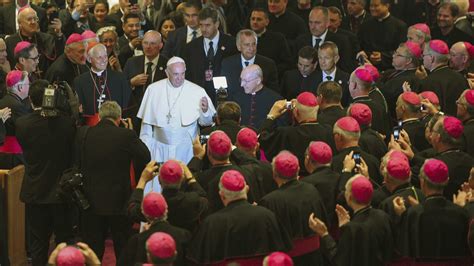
[(384, 18), (214, 40), (361, 14), (261, 33), (322, 37), (332, 75), (243, 60), (154, 61), (97, 73)]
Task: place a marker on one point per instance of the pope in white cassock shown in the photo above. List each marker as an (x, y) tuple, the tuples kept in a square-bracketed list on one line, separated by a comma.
[(170, 111)]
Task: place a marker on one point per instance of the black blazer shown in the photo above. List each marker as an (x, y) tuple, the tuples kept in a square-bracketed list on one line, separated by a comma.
[(232, 67), (108, 152), (346, 62), (274, 46), (342, 78), (8, 18), (197, 64), (175, 43)]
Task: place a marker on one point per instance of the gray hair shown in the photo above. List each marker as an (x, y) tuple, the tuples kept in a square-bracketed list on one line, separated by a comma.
[(232, 195), (110, 109), (245, 32)]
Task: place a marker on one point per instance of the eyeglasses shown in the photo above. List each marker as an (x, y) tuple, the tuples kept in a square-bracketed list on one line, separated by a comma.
[(32, 19), (399, 55), (248, 81), (34, 58)]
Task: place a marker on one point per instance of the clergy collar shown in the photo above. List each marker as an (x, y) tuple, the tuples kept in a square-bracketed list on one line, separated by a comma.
[(451, 150), (288, 182), (384, 18), (438, 68), (362, 14), (261, 33), (402, 187), (98, 73), (460, 18), (470, 120), (330, 107), (154, 61), (364, 98), (321, 169), (237, 202), (281, 15)]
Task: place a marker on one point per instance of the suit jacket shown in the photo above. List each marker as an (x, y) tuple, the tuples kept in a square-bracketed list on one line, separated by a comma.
[(346, 61), (125, 52), (293, 83), (175, 43), (108, 152), (342, 78), (8, 19), (274, 46), (232, 67), (197, 63)]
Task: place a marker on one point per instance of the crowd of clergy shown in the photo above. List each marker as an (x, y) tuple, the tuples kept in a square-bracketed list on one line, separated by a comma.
[(342, 135)]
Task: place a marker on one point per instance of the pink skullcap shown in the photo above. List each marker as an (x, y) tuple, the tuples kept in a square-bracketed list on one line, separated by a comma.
[(469, 96), (453, 126), (75, 37), (320, 152), (394, 154), (13, 77), (154, 205), (161, 245), (88, 34), (233, 180), (411, 98), (286, 164), (219, 143), (423, 28), (362, 113), (171, 171), (469, 49), (23, 8), (362, 189), (364, 75), (414, 49), (307, 99), (279, 259), (398, 168), (431, 96), (348, 123), (70, 256), (247, 138), (374, 72), (21, 46), (439, 46), (436, 171)]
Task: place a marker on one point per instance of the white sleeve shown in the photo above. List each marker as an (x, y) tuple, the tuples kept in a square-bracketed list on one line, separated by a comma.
[(146, 135)]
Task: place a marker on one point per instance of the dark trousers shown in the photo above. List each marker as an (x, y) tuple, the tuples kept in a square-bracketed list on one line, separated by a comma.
[(45, 219), (94, 229)]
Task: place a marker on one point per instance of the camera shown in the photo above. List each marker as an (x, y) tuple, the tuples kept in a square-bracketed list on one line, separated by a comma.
[(58, 99), (71, 187), (356, 157), (422, 108), (289, 106), (361, 60), (396, 133), (203, 139)]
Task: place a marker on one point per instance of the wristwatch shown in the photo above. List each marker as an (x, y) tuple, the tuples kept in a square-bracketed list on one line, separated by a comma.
[(345, 170)]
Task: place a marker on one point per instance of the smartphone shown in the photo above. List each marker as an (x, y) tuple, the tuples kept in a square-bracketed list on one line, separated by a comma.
[(422, 108), (356, 157), (396, 133), (203, 139), (141, 33), (361, 60), (53, 16)]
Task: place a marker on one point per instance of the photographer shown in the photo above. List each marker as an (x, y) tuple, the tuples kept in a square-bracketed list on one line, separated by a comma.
[(47, 149), (107, 153)]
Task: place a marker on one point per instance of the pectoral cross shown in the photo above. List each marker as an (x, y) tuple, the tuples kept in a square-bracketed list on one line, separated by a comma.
[(168, 116), (101, 99)]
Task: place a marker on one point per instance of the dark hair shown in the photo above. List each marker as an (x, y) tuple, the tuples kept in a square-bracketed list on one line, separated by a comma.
[(195, 4), (25, 53), (36, 91), (229, 111), (259, 9), (452, 7), (331, 91), (208, 12), (105, 3), (308, 52), (446, 138), (129, 16), (167, 17), (335, 10)]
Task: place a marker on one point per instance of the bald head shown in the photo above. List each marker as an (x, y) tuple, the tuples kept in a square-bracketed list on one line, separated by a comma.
[(459, 56), (152, 44), (28, 22), (251, 79)]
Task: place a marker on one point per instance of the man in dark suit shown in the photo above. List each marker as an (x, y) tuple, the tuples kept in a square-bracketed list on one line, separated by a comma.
[(356, 14), (328, 56), (127, 8), (108, 152), (204, 55), (143, 70), (445, 30), (329, 98), (130, 44), (233, 65), (320, 33), (47, 154), (270, 43), (303, 78), (335, 20), (178, 39), (9, 16)]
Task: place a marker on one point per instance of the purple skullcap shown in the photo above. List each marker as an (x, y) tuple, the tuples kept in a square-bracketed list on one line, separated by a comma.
[(286, 164), (21, 46), (233, 180), (247, 138), (423, 28), (362, 189), (13, 77), (411, 98), (398, 168), (171, 171), (349, 124), (279, 259), (364, 75), (362, 113), (431, 96), (161, 245), (70, 256), (307, 99), (320, 152), (154, 205), (414, 49), (219, 143), (439, 47), (453, 126), (436, 171)]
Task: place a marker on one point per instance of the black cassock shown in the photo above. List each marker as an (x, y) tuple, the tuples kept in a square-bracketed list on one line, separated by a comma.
[(416, 131), (64, 70), (240, 230), (330, 115), (293, 83), (436, 228), (90, 90), (371, 142), (365, 240), (292, 203), (469, 136), (380, 120)]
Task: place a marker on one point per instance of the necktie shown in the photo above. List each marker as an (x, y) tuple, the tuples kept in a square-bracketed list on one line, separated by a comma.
[(316, 44), (246, 63), (194, 35), (210, 52), (329, 78), (149, 72)]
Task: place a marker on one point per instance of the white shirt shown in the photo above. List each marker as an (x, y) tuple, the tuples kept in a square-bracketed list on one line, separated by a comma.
[(332, 75), (153, 67), (243, 60), (214, 40), (189, 34), (322, 37)]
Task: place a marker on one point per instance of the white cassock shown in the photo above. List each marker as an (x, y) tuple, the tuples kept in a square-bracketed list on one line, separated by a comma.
[(170, 119)]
